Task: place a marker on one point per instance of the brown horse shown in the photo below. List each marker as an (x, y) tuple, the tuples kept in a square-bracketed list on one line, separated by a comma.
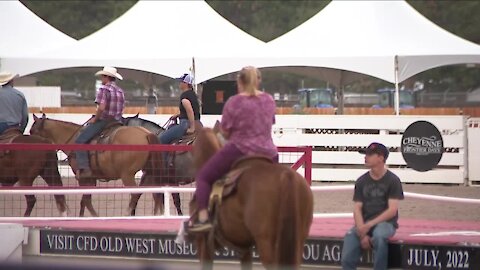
[(112, 165), (24, 166), (272, 209)]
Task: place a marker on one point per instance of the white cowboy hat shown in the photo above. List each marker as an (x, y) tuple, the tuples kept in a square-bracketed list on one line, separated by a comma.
[(6, 77), (109, 71)]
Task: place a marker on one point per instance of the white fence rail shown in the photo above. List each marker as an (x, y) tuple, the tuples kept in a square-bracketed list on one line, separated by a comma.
[(167, 191), (473, 145), (345, 165)]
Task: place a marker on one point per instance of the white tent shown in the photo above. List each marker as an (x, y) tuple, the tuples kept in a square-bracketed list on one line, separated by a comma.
[(389, 40), (157, 36), (24, 33)]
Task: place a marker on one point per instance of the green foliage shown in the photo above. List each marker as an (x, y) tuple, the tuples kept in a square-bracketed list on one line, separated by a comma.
[(267, 20), (78, 18)]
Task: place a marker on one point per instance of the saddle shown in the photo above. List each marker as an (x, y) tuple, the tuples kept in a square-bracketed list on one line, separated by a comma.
[(222, 189), (187, 139), (105, 137), (226, 186), (7, 137)]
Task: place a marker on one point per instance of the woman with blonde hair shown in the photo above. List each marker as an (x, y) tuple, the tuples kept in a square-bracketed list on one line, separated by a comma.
[(247, 120)]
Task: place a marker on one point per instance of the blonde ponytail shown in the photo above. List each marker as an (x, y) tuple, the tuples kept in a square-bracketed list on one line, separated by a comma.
[(248, 77)]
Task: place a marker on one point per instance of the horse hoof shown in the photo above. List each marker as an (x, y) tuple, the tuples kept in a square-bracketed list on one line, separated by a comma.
[(64, 214)]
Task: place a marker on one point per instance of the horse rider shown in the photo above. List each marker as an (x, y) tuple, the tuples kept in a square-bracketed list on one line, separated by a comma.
[(189, 112), (13, 105), (110, 102), (247, 120)]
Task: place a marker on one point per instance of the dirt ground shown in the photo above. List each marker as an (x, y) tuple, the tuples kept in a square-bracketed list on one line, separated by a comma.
[(325, 202), (341, 202)]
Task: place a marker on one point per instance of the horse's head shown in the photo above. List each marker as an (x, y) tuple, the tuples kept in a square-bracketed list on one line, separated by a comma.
[(39, 127), (206, 144)]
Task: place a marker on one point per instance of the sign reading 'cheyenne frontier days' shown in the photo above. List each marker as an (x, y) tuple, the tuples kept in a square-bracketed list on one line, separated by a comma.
[(422, 146)]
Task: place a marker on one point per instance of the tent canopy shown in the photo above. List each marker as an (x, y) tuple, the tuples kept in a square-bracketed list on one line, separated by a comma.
[(24, 33), (157, 36), (369, 37)]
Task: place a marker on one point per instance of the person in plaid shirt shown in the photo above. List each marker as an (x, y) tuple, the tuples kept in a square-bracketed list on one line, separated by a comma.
[(110, 102)]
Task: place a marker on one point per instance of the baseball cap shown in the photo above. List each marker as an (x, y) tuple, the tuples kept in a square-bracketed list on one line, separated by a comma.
[(376, 148), (186, 78)]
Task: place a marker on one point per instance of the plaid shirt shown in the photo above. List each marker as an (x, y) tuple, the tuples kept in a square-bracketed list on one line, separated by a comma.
[(112, 96)]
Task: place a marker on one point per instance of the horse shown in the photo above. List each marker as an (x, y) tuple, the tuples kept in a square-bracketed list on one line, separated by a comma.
[(271, 208), (183, 165), (23, 167), (111, 165)]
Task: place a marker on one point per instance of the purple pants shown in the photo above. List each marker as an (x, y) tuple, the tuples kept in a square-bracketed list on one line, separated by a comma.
[(216, 167)]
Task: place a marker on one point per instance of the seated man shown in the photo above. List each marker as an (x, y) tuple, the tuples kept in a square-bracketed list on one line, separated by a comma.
[(110, 102), (189, 112), (376, 198), (13, 105)]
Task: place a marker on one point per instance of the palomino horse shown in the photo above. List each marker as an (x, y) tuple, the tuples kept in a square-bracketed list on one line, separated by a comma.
[(24, 166), (183, 171), (112, 165), (272, 208)]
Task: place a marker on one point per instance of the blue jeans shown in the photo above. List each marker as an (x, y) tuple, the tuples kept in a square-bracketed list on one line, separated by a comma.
[(352, 250), (85, 136), (175, 132), (4, 126)]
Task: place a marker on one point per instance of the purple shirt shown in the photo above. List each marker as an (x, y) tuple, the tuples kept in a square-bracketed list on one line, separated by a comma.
[(112, 96), (249, 121)]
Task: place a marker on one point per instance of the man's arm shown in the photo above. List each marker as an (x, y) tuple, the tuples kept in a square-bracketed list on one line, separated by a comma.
[(23, 124), (384, 216), (387, 214), (188, 108), (98, 113), (357, 214)]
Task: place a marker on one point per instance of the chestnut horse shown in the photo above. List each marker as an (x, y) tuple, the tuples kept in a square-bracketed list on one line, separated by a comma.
[(112, 164), (272, 209), (24, 166)]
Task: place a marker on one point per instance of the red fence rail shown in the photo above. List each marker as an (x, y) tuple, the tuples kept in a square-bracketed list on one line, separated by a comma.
[(304, 160)]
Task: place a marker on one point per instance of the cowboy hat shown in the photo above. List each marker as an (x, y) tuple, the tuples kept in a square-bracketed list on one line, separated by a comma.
[(109, 71), (6, 77)]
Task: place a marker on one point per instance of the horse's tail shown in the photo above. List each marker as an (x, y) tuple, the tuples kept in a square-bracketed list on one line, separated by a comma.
[(154, 165), (287, 226)]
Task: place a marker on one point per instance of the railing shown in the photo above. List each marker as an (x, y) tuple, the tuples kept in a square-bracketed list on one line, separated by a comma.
[(297, 157), (167, 191)]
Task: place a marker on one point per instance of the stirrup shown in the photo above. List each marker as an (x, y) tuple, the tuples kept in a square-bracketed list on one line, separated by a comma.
[(200, 227)]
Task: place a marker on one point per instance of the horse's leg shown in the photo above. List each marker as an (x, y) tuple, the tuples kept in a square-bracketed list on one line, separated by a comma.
[(177, 203), (246, 261), (159, 207), (27, 181), (31, 200), (52, 177), (87, 198), (128, 180), (204, 253), (265, 249)]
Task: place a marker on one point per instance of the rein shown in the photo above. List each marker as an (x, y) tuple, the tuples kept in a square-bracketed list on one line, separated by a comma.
[(168, 123), (76, 131)]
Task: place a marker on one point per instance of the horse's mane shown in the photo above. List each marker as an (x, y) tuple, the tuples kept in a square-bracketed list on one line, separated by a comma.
[(206, 144), (145, 123), (60, 121)]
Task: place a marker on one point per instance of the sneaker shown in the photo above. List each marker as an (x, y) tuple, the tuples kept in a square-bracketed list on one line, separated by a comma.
[(200, 227)]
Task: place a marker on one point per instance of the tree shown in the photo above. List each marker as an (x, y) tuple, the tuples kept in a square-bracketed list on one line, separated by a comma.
[(267, 20)]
